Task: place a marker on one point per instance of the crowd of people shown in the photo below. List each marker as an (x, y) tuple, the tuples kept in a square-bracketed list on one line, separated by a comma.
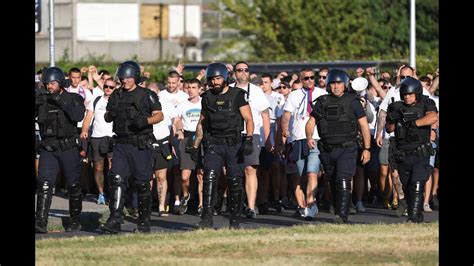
[(233, 141)]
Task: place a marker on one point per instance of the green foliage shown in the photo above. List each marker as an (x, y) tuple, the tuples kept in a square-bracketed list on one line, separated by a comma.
[(296, 30)]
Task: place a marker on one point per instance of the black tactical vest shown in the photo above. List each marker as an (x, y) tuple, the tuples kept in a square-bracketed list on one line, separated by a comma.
[(223, 118), (337, 124), (412, 135), (130, 106), (53, 122)]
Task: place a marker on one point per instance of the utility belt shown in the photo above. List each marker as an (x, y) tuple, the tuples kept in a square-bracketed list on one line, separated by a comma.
[(219, 140), (60, 144), (329, 147), (424, 150), (163, 146), (142, 142)]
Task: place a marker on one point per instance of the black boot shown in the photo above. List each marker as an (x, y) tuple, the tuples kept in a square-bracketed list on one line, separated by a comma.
[(144, 206), (116, 203), (415, 205), (75, 207), (235, 204), (43, 203), (208, 191), (343, 200)]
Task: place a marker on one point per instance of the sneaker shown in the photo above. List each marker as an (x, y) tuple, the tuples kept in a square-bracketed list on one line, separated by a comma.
[(251, 213), (402, 208), (199, 210), (434, 203), (300, 212), (183, 206), (394, 204), (426, 207), (176, 207), (311, 211), (360, 207), (101, 199)]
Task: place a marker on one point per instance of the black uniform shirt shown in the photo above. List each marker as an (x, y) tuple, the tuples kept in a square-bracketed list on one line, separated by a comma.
[(356, 106)]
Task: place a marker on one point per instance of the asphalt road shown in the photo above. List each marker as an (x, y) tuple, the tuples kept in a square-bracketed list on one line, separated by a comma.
[(92, 213)]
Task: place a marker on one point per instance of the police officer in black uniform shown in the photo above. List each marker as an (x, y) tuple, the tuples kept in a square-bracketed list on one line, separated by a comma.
[(224, 110), (411, 119), (134, 110), (339, 116), (58, 112)]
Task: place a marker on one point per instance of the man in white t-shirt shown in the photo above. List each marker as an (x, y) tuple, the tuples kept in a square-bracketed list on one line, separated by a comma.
[(188, 114), (174, 96), (259, 106), (298, 106), (162, 152), (100, 137), (270, 160)]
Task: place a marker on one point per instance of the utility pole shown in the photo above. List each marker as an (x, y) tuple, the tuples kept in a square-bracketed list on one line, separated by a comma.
[(51, 33), (412, 35), (185, 40)]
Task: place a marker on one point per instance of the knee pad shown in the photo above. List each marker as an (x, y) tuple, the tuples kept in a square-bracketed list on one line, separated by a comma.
[(142, 187), (44, 187), (116, 181), (235, 183), (74, 189)]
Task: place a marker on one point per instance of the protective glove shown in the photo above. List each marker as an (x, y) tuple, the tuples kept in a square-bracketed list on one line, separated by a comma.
[(140, 121), (247, 146), (193, 152)]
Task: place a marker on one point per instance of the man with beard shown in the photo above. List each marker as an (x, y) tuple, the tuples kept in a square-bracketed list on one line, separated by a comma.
[(224, 109)]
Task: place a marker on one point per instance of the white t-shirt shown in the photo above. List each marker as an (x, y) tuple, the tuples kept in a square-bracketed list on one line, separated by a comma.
[(276, 100), (258, 103), (97, 92), (86, 95), (163, 129), (173, 98), (297, 105), (190, 114), (100, 128)]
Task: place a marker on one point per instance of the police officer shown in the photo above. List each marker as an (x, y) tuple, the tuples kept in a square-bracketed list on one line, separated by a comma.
[(58, 112), (133, 110), (339, 116), (411, 119), (223, 112)]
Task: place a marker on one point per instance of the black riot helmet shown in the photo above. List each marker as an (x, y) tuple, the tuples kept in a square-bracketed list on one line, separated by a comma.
[(411, 85), (128, 69), (336, 75), (54, 73), (217, 69)]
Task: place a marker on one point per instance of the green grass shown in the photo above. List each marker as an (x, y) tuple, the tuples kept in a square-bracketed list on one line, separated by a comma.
[(404, 244)]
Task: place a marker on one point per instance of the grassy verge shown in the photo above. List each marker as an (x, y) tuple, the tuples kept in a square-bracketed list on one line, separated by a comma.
[(327, 243)]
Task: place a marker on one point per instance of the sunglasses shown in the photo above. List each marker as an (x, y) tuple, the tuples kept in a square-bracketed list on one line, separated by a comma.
[(322, 77), (402, 77), (283, 87), (246, 70), (386, 87), (308, 78), (109, 87)]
